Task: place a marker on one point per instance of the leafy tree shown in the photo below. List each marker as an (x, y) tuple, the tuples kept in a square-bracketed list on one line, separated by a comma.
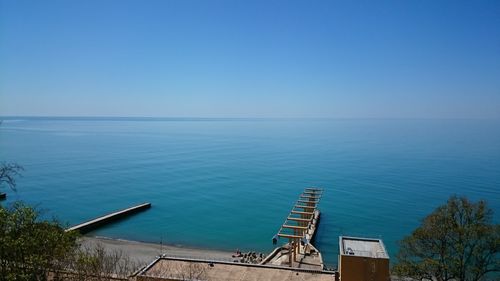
[(36, 249), (29, 247), (458, 241)]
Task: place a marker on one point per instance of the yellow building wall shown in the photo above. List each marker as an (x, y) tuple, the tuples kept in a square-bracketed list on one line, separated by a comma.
[(356, 268)]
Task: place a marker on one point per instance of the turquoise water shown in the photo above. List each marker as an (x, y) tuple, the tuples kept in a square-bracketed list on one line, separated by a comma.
[(228, 184)]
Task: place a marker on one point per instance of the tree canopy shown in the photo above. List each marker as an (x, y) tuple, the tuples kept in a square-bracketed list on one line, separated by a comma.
[(29, 247), (458, 241), (33, 249)]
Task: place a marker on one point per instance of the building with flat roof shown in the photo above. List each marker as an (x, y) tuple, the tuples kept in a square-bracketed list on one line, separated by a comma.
[(363, 259)]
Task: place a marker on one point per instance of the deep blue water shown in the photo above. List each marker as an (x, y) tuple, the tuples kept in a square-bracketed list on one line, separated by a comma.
[(229, 184)]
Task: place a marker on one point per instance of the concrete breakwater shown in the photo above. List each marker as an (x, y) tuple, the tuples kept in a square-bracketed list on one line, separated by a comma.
[(93, 224)]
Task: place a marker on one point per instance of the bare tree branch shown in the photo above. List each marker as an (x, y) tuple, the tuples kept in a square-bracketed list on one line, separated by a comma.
[(8, 174)]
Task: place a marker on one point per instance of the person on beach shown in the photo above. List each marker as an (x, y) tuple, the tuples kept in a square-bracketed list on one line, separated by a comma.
[(238, 253)]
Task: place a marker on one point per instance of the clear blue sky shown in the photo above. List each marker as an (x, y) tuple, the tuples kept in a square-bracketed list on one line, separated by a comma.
[(347, 59)]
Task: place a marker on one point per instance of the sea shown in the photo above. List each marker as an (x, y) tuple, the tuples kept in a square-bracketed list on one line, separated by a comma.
[(229, 184)]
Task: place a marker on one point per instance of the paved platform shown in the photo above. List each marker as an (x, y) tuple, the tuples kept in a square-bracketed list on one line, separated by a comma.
[(179, 269)]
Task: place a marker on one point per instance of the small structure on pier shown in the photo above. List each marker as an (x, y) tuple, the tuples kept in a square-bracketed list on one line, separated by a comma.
[(299, 229)]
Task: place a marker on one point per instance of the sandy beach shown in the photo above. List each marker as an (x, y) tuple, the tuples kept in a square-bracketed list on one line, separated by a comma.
[(146, 252)]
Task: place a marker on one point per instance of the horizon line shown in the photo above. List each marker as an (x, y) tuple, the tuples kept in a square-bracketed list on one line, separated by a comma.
[(199, 118)]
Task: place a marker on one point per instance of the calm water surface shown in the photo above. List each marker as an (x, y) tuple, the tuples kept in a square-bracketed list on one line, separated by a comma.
[(228, 184)]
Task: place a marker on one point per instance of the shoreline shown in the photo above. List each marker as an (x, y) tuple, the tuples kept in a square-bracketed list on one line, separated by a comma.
[(145, 252)]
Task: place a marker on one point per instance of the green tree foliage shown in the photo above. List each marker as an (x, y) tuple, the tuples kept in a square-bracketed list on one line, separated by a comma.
[(30, 247), (36, 249), (458, 241)]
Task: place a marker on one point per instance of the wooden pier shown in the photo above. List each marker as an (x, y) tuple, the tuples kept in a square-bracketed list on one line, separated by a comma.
[(299, 229), (100, 221)]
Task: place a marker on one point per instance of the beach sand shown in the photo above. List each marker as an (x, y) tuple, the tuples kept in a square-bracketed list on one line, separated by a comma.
[(146, 252)]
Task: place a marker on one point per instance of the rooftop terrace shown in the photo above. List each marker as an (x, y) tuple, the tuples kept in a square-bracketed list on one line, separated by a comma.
[(167, 268), (364, 247)]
